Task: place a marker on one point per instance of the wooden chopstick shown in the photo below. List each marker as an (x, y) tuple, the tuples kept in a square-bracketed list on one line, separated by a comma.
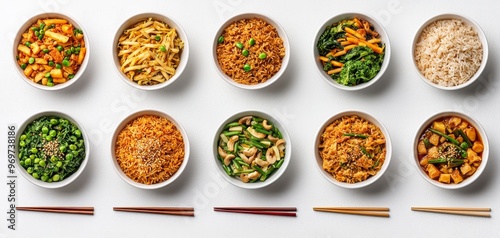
[(179, 211), (274, 211), (68, 210), (478, 212), (377, 212)]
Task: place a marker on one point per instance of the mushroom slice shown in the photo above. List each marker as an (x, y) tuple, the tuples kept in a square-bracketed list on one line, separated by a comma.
[(228, 159), (245, 120), (267, 126), (256, 133)]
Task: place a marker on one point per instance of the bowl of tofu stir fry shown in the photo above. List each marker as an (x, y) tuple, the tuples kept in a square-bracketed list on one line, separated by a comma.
[(251, 149), (451, 150), (51, 51)]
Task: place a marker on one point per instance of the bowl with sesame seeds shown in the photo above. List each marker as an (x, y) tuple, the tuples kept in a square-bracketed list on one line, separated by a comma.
[(53, 149), (149, 149)]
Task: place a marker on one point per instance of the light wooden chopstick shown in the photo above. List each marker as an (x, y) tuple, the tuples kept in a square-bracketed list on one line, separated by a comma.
[(364, 211), (466, 211), (179, 211), (68, 210)]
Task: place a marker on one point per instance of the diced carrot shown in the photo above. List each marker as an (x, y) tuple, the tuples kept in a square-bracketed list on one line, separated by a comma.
[(323, 58), (334, 71)]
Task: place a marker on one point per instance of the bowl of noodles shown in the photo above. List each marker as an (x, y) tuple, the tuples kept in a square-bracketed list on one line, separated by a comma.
[(353, 149), (149, 149), (51, 51), (250, 51), (150, 51)]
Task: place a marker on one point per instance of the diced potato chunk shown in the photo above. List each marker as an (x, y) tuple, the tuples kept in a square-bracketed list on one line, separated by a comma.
[(471, 133), (66, 28), (433, 171), (465, 168), (40, 61), (434, 139), (478, 147), (424, 161), (445, 178), (433, 152), (59, 80), (471, 153), (421, 148), (455, 121), (39, 77), (81, 56), (35, 48), (56, 36), (54, 21), (457, 178), (474, 159), (56, 73), (28, 70), (24, 49), (439, 126)]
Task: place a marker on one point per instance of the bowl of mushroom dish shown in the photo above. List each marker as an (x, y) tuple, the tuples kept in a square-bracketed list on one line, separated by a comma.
[(251, 149)]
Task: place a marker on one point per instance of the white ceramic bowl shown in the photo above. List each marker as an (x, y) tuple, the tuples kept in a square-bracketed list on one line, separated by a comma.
[(481, 35), (26, 26), (482, 134), (122, 125), (388, 146), (277, 174), (171, 23), (384, 37), (72, 177), (281, 33)]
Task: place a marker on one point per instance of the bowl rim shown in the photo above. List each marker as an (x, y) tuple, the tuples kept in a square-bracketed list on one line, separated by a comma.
[(384, 37), (479, 129), (26, 25), (282, 34), (73, 176), (127, 119), (388, 144), (288, 149), (130, 21), (482, 37)]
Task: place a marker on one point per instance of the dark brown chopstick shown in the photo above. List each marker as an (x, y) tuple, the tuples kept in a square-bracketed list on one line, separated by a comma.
[(179, 211), (273, 211), (465, 211), (68, 210), (363, 211)]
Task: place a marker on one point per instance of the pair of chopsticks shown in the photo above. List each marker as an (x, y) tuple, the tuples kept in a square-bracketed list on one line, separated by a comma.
[(179, 211), (274, 211), (364, 211), (69, 210), (466, 211)]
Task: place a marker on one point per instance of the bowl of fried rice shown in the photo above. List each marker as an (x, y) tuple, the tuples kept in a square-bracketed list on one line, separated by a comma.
[(352, 149), (251, 51)]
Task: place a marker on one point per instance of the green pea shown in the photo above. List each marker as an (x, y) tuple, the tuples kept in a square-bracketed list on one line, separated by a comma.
[(220, 40), (157, 38), (45, 50), (52, 133), (48, 138), (45, 130), (42, 163), (78, 133), (65, 62), (30, 170), (55, 169), (59, 164), (42, 32), (239, 45), (72, 147), (50, 84), (53, 159), (40, 37), (34, 150), (71, 76), (35, 28), (27, 161), (247, 67), (42, 25), (31, 60), (51, 63), (49, 180), (23, 66), (55, 178), (162, 48), (21, 163), (37, 33), (72, 138), (23, 137), (45, 178), (32, 157), (245, 52), (62, 148), (58, 66), (35, 175), (251, 41), (22, 143), (59, 48), (69, 156), (27, 43), (47, 75), (54, 121), (37, 160), (262, 55)]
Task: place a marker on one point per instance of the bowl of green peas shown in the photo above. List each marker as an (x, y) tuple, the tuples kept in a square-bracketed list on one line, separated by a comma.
[(251, 149), (53, 149), (51, 51)]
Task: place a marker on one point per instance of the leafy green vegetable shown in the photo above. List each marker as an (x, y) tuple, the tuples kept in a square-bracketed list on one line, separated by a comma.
[(361, 65), (328, 40)]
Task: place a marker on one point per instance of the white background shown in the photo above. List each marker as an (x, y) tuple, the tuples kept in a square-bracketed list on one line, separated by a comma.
[(200, 100)]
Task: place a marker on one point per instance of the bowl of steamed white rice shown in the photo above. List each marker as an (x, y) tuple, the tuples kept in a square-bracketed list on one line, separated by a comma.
[(450, 51)]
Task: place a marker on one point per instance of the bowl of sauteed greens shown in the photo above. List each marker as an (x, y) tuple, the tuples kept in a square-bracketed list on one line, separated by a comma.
[(51, 51), (53, 149), (450, 150), (251, 149), (352, 51)]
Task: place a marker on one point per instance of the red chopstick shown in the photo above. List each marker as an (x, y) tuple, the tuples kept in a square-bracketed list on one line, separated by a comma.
[(274, 211)]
